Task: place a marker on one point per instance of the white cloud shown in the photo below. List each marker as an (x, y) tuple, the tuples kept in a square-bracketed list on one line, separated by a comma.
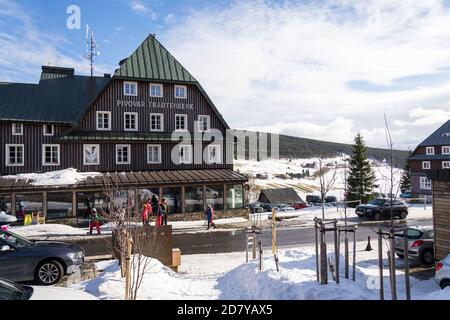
[(29, 48), (143, 8), (169, 18), (281, 64)]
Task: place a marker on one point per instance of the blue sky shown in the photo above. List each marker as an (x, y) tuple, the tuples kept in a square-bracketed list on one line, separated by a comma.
[(319, 69)]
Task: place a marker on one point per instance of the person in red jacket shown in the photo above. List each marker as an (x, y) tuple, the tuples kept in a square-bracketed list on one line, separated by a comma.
[(146, 212), (159, 215)]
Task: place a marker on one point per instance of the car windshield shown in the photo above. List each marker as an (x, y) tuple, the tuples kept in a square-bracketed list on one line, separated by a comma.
[(414, 234), (14, 240), (377, 202), (12, 291)]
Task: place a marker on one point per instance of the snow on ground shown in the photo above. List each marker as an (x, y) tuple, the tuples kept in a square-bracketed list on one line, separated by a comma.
[(63, 177), (227, 276), (310, 185)]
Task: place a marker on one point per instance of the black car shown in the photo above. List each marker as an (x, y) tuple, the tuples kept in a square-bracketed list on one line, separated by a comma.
[(313, 199), (43, 261), (380, 209)]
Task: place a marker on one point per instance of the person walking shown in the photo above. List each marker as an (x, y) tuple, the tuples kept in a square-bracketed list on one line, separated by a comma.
[(209, 213), (154, 203), (95, 221), (146, 211), (165, 211), (159, 215)]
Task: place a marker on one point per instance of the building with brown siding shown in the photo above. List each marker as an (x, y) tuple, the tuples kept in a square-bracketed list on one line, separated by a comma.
[(430, 175), (120, 126)]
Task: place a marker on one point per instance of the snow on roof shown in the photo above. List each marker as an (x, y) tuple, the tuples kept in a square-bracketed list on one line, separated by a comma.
[(63, 177)]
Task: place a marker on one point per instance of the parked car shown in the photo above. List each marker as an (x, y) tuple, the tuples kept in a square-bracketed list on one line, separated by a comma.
[(379, 209), (406, 195), (298, 206), (268, 207), (331, 199), (420, 244), (284, 207), (6, 219), (442, 275), (13, 291), (43, 261), (313, 199), (256, 207)]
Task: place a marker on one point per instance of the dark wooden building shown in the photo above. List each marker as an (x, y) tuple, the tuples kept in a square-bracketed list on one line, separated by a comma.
[(150, 116), (430, 176)]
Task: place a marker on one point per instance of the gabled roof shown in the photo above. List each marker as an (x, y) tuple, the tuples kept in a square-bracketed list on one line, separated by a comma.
[(152, 61), (440, 137), (280, 196), (59, 97)]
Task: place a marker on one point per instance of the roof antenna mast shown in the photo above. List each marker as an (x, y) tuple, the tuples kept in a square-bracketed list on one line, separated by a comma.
[(91, 48)]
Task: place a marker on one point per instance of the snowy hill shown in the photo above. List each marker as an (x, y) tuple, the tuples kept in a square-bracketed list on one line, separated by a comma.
[(286, 173)]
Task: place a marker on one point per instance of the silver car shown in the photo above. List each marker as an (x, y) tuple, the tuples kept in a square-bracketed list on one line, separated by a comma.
[(420, 244)]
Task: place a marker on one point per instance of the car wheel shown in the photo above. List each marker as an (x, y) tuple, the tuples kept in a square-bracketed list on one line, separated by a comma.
[(404, 214), (444, 283), (427, 257), (377, 216), (49, 272)]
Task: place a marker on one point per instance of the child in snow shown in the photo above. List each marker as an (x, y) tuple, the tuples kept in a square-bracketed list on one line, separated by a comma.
[(95, 221)]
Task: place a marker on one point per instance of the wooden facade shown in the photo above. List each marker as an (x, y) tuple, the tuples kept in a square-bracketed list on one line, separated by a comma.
[(441, 218)]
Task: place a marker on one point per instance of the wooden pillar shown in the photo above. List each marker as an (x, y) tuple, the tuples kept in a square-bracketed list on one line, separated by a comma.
[(13, 204), (74, 204), (225, 206), (183, 199), (136, 202), (45, 203), (204, 198), (160, 193)]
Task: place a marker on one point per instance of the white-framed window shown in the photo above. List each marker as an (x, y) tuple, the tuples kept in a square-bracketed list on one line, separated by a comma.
[(214, 154), (425, 183), (50, 155), (103, 120), (430, 151), (130, 120), (91, 154), (446, 150), (445, 164), (204, 123), (14, 155), (153, 153), (156, 122), (156, 90), (49, 129), (123, 154), (185, 154), (17, 129), (181, 122), (130, 88), (426, 165), (180, 92)]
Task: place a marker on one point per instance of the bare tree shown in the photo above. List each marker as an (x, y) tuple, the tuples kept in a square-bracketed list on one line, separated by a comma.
[(133, 243)]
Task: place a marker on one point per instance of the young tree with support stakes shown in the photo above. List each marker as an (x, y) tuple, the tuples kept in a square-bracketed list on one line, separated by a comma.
[(361, 177)]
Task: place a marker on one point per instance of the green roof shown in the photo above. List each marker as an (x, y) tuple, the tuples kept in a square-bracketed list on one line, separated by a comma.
[(60, 97), (151, 61)]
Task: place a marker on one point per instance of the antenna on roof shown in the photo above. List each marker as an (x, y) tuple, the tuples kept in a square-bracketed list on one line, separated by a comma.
[(92, 48)]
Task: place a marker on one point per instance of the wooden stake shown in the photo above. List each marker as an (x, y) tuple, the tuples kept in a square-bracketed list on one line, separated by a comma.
[(380, 262), (406, 262), (392, 261), (274, 233), (354, 253), (336, 251), (317, 249), (128, 265)]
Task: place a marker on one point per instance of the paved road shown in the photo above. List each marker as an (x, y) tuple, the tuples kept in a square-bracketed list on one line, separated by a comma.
[(233, 241)]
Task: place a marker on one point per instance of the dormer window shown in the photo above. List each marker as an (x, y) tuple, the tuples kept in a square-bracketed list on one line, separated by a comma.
[(156, 90), (430, 151), (17, 129), (49, 130), (446, 150), (446, 135), (130, 88), (180, 92)]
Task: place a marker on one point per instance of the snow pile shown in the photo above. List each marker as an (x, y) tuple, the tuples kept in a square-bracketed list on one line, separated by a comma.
[(159, 283), (226, 277), (55, 178)]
